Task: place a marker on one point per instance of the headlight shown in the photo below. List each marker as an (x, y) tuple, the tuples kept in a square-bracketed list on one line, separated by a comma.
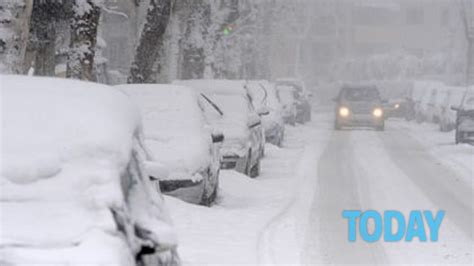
[(377, 112), (344, 111), (397, 106)]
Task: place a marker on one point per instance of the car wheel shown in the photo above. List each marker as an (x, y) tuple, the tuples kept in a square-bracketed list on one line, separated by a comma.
[(255, 171)]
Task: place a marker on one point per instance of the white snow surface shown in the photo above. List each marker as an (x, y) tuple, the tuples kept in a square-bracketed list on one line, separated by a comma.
[(175, 129), (64, 146), (255, 221)]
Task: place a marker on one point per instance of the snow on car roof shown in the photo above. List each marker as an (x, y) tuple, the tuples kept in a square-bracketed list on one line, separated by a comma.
[(215, 86), (64, 145), (175, 129), (263, 93)]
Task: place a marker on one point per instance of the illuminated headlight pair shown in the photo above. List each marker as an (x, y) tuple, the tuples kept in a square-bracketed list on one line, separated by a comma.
[(344, 112)]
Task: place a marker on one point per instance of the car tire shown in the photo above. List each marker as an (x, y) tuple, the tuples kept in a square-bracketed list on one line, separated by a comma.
[(255, 170)]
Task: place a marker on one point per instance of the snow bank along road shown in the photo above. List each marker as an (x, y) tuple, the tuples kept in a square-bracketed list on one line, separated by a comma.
[(292, 213)]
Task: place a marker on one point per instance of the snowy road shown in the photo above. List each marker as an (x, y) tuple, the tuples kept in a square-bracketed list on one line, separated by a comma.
[(363, 170), (291, 214)]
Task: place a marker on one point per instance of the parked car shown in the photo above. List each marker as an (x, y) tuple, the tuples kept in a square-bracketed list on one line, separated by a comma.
[(439, 103), (424, 104), (303, 106), (75, 178), (465, 118), (181, 139), (264, 96), (447, 120), (287, 97), (359, 105), (237, 118)]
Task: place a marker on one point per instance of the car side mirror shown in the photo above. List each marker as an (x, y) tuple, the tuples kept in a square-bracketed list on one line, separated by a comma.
[(217, 137), (455, 108), (156, 171), (263, 111)]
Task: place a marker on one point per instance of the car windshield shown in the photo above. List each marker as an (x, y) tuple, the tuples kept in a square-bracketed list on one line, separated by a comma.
[(360, 94)]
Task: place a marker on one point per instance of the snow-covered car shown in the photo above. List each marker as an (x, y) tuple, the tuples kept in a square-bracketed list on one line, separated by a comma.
[(75, 185), (264, 97), (230, 110), (287, 97), (437, 102), (447, 120), (424, 102), (359, 105), (303, 106), (465, 118), (180, 138)]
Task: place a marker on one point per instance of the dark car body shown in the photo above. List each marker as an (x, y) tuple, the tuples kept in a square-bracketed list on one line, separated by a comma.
[(465, 119), (359, 106)]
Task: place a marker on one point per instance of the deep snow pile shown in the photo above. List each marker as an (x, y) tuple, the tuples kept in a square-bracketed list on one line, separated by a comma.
[(175, 130), (65, 146), (255, 221)]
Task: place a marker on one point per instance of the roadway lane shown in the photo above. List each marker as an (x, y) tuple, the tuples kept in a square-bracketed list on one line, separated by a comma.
[(365, 169)]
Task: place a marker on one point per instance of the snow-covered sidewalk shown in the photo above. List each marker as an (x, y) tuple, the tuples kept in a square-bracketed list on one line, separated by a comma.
[(441, 145), (255, 221)]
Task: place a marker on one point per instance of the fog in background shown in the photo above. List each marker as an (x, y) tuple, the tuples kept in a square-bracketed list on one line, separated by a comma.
[(324, 42)]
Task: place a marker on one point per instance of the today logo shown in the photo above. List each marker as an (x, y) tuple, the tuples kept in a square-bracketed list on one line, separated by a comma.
[(384, 224)]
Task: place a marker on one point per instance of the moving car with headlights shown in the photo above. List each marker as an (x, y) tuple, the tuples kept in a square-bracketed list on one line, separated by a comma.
[(465, 118), (264, 96), (359, 106), (75, 178), (303, 106), (230, 110), (399, 108), (180, 138), (287, 97)]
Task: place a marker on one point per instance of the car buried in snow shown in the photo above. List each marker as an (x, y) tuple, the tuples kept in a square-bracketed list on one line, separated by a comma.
[(359, 105), (180, 138), (287, 97), (264, 96), (231, 111), (303, 106), (465, 118), (75, 180)]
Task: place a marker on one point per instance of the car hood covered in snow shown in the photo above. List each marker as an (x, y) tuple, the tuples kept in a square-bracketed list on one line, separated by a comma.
[(64, 146), (175, 129)]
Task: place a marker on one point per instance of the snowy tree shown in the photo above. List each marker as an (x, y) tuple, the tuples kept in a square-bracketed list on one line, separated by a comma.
[(195, 40), (151, 41), (14, 28), (83, 39), (41, 47), (466, 8)]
